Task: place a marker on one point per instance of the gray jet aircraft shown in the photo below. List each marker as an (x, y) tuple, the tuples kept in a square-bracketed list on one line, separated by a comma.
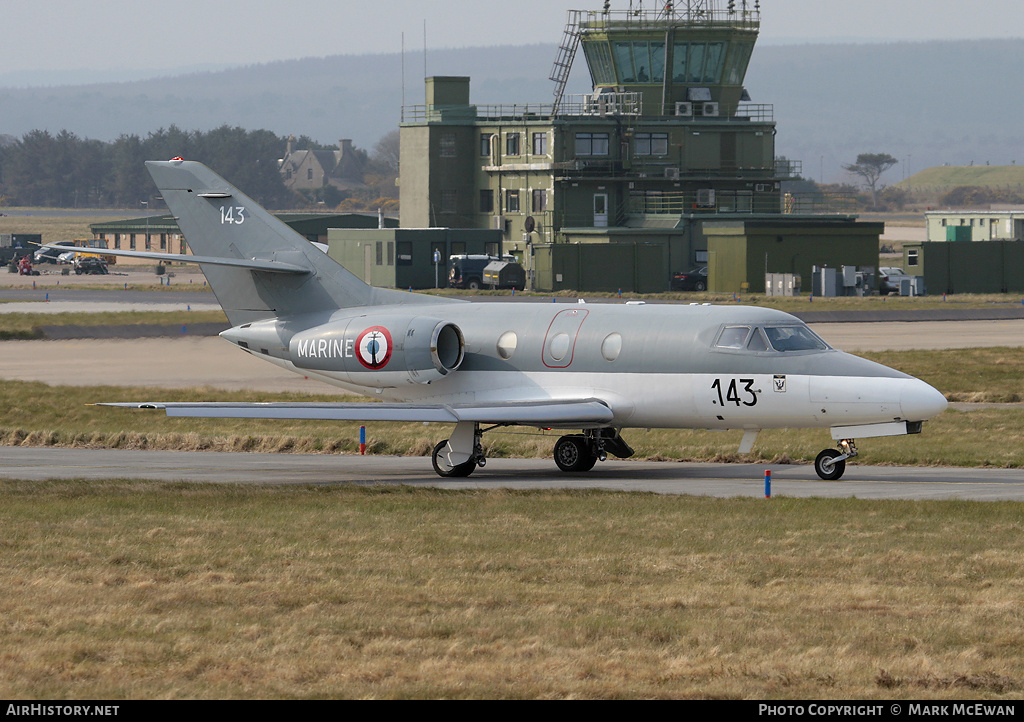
[(595, 369)]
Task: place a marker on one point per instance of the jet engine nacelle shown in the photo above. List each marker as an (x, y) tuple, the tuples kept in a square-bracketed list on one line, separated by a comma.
[(381, 350)]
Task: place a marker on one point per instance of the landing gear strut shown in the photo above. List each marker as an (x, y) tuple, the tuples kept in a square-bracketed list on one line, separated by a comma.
[(831, 463), (579, 452), (461, 454)]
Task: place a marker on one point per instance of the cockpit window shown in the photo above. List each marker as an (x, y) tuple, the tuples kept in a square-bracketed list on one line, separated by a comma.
[(757, 342), (794, 338), (762, 339), (733, 337)]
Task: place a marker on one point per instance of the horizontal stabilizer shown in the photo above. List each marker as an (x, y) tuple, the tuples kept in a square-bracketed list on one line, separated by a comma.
[(250, 263), (532, 413)]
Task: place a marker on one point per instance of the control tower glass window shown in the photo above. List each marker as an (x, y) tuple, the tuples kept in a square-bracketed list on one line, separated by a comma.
[(599, 59), (624, 62), (698, 62), (640, 61), (738, 59)]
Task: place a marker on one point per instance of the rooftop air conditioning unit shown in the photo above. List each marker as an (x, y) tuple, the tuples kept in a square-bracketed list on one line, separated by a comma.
[(705, 197), (709, 110), (672, 173), (684, 108)]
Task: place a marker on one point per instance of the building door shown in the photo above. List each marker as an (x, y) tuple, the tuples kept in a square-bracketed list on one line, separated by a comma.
[(600, 210)]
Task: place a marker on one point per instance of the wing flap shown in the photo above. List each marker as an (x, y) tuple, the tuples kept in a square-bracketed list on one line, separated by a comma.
[(530, 413)]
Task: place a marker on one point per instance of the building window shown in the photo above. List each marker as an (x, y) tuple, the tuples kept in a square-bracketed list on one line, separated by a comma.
[(912, 257), (131, 241), (309, 174), (540, 201), (380, 253), (485, 145), (449, 148), (449, 200), (512, 201), (512, 144), (487, 201), (591, 144), (540, 143), (163, 241), (651, 144)]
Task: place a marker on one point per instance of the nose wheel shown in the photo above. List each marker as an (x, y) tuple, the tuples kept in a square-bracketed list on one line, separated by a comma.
[(831, 463)]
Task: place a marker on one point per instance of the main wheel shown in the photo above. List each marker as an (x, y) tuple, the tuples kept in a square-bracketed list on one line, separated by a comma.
[(573, 453), (443, 469), (827, 467)]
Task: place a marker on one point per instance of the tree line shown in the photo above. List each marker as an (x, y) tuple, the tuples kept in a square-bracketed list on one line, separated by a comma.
[(66, 171)]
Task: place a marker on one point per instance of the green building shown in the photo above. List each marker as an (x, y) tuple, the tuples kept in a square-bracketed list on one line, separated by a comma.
[(405, 257), (666, 142), (982, 267)]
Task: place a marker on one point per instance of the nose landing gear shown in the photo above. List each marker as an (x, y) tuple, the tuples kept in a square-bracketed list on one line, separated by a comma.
[(831, 463)]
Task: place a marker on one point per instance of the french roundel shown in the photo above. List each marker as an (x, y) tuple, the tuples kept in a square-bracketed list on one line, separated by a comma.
[(373, 347)]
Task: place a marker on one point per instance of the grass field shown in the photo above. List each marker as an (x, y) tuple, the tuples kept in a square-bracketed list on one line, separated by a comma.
[(134, 590), (148, 591)]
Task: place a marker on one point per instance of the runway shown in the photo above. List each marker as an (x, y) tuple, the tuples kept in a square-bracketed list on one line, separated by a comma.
[(697, 479)]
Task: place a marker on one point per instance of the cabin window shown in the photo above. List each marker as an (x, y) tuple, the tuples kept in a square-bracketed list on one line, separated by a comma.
[(611, 347), (507, 344)]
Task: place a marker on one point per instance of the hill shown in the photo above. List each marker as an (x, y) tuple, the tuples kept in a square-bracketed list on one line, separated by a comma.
[(927, 103), (945, 178)]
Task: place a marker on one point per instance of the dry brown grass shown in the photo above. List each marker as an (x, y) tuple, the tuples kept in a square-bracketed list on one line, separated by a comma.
[(133, 590)]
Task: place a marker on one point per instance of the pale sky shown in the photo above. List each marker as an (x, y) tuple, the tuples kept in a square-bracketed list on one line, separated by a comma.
[(85, 34)]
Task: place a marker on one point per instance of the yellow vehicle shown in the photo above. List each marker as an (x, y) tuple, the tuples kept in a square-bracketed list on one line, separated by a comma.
[(94, 243)]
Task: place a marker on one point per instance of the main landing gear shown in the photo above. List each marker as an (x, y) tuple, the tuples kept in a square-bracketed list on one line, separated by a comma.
[(459, 455), (831, 463)]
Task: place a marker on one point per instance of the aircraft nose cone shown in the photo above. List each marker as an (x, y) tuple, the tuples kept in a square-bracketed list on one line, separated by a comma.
[(919, 401)]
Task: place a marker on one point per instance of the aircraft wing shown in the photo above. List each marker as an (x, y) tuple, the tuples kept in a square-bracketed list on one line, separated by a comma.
[(254, 264), (525, 413)]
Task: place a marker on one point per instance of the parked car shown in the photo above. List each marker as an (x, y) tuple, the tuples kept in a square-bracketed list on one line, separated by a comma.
[(467, 270), (693, 280), (49, 255), (93, 265), (889, 280)]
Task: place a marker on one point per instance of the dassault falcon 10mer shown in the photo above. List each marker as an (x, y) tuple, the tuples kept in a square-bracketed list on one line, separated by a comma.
[(593, 368)]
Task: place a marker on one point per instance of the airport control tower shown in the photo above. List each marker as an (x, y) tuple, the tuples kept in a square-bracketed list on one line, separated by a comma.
[(666, 151), (682, 58)]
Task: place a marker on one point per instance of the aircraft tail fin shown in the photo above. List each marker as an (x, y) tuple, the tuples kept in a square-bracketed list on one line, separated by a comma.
[(219, 221)]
